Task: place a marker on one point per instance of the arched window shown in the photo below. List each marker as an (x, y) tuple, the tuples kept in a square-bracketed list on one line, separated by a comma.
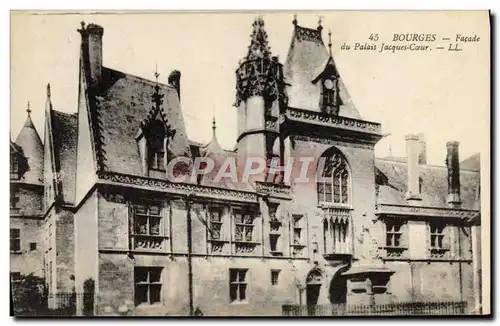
[(333, 185)]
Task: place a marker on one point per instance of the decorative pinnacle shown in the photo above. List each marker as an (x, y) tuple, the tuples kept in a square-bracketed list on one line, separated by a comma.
[(295, 19), (330, 41), (320, 20), (28, 109), (157, 74), (48, 90)]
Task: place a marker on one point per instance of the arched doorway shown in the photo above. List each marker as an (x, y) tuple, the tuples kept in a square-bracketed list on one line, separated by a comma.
[(314, 282), (338, 289)]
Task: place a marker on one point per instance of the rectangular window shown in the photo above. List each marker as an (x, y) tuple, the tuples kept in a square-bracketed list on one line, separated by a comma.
[(15, 240), (148, 226), (437, 236), (157, 160), (275, 274), (297, 229), (32, 246), (216, 223), (244, 226), (238, 285), (147, 285), (14, 167), (13, 199), (393, 234)]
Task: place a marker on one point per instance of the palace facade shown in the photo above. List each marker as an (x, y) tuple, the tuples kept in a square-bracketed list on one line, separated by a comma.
[(93, 202)]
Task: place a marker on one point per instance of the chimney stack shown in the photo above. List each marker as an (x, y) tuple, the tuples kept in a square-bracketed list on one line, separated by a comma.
[(174, 80), (453, 165), (422, 156), (412, 152), (92, 52)]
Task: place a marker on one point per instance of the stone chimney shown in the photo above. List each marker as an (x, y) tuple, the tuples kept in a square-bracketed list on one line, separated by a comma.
[(92, 52), (422, 156), (412, 152), (174, 80), (453, 165)]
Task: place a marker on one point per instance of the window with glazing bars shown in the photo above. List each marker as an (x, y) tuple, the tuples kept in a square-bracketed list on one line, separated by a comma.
[(148, 230), (334, 184), (215, 223), (393, 234), (148, 285), (437, 235), (244, 226), (238, 285), (15, 240)]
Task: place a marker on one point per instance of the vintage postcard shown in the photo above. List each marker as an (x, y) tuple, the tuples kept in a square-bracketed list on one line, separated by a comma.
[(330, 163)]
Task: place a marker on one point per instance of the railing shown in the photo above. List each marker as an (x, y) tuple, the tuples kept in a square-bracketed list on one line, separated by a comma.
[(451, 308), (60, 304)]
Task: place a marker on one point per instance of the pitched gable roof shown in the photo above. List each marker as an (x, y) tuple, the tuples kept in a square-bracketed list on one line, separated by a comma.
[(64, 134), (32, 148), (391, 184), (118, 106), (473, 162), (307, 58)]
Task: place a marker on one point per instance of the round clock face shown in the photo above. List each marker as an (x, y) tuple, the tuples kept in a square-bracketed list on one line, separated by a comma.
[(328, 83)]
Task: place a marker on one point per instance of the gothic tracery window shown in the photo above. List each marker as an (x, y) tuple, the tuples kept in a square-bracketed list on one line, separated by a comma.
[(333, 186)]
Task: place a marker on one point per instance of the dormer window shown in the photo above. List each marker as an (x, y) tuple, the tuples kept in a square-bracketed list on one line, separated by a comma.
[(329, 95), (156, 152)]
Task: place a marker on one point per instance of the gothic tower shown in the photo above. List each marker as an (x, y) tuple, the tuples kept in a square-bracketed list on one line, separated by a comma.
[(259, 97)]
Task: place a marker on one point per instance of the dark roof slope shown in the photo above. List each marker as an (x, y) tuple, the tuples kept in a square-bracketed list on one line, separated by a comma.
[(473, 162), (65, 137), (391, 183), (119, 106)]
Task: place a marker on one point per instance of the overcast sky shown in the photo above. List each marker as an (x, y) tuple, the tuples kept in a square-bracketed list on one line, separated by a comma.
[(441, 94)]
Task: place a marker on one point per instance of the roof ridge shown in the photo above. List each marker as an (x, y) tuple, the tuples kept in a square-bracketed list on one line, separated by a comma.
[(145, 80), (432, 166), (66, 113)]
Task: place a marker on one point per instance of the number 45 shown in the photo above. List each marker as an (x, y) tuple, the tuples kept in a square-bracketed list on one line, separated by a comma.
[(373, 37)]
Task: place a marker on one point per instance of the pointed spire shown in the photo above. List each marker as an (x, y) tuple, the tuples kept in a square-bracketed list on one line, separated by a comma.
[(29, 140), (294, 21), (259, 44), (330, 42), (48, 90)]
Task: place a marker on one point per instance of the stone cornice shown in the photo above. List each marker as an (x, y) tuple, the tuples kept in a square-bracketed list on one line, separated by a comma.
[(177, 188), (273, 189), (339, 122), (416, 211)]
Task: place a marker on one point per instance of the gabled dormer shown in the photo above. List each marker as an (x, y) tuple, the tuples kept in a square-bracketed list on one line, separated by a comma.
[(18, 163), (153, 138), (330, 100)]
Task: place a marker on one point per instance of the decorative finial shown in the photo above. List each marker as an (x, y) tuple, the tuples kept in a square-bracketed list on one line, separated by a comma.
[(330, 41), (28, 109), (320, 21), (157, 74), (83, 24), (295, 19), (48, 90)]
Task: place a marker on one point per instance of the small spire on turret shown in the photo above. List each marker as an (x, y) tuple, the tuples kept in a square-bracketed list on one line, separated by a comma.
[(48, 90), (320, 21), (330, 42), (28, 109), (295, 22)]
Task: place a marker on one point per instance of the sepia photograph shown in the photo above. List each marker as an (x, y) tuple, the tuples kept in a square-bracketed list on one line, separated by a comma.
[(272, 163)]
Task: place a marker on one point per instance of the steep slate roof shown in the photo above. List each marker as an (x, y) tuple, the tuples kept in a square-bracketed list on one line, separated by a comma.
[(32, 148), (307, 58), (65, 137), (120, 104), (472, 162), (391, 184)]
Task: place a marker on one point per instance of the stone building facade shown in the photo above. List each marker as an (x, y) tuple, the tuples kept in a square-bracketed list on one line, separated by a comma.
[(373, 230)]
